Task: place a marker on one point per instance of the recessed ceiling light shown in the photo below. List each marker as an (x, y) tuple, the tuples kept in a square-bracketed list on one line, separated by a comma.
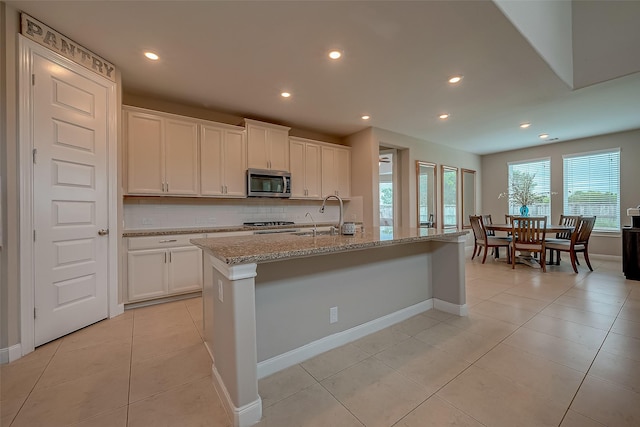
[(444, 116), (525, 125), (543, 136), (152, 56), (365, 117), (455, 79), (335, 54), (285, 94)]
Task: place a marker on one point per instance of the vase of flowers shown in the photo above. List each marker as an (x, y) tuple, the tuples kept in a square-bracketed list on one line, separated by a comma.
[(521, 192)]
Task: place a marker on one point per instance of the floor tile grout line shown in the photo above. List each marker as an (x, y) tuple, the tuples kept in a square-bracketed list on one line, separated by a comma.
[(36, 383), (589, 368), (133, 328)]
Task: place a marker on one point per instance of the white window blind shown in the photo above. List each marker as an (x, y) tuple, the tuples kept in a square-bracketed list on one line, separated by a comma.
[(541, 171), (592, 187)]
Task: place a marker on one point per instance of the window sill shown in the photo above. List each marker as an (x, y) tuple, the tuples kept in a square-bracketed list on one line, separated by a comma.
[(602, 233)]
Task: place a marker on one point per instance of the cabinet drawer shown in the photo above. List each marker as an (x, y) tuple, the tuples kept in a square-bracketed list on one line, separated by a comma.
[(168, 241)]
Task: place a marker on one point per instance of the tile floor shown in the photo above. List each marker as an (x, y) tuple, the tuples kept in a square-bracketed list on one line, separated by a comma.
[(554, 349)]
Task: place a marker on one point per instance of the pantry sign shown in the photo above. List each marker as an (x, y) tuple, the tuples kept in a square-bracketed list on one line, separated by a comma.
[(40, 33)]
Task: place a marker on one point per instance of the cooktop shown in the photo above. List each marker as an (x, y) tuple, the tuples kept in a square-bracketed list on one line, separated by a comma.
[(267, 223)]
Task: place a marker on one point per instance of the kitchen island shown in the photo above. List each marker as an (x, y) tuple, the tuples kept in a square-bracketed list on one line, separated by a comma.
[(271, 301)]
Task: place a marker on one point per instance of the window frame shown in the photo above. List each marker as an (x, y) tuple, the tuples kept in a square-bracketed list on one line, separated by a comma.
[(565, 190), (516, 209)]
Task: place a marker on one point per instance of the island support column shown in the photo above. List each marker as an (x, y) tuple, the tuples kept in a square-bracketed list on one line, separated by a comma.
[(448, 278), (230, 335)]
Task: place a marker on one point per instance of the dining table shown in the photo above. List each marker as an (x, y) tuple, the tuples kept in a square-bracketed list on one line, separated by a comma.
[(526, 257)]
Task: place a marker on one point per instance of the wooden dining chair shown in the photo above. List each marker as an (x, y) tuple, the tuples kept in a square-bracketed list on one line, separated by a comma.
[(579, 242), (566, 220), (483, 240), (528, 235)]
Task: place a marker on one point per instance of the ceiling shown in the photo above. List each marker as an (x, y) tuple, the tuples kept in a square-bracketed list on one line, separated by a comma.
[(237, 57)]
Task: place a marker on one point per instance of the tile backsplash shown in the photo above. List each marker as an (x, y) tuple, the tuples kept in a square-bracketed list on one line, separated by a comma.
[(153, 213)]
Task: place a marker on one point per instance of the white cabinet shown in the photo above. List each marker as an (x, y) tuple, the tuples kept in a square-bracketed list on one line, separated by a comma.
[(223, 161), (161, 266), (336, 171), (267, 146), (306, 169), (162, 153)]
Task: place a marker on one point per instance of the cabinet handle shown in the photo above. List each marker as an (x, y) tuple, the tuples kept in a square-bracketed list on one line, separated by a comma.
[(167, 187), (168, 241), (169, 256), (165, 257), (225, 190)]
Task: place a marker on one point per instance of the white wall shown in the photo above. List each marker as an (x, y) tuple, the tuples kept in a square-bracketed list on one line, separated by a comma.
[(495, 173)]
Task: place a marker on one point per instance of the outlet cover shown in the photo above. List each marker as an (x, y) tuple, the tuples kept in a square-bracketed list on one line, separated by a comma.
[(333, 314), (147, 221)]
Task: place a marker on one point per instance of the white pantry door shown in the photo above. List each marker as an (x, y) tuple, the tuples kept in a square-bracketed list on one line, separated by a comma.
[(70, 200)]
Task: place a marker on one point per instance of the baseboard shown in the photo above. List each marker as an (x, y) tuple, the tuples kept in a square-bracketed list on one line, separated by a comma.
[(457, 309), (307, 351), (8, 355), (244, 416)]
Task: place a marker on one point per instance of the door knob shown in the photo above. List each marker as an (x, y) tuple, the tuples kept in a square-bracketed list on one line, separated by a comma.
[(103, 232)]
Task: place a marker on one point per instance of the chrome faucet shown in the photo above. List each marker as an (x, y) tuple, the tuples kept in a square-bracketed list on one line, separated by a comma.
[(341, 209)]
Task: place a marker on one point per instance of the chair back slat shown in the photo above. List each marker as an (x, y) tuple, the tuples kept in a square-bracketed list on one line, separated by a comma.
[(486, 219), (584, 229), (570, 221), (529, 230), (479, 232)]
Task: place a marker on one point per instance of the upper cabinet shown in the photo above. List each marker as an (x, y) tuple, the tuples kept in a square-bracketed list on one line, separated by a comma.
[(336, 171), (267, 146), (162, 153), (223, 161), (306, 168)]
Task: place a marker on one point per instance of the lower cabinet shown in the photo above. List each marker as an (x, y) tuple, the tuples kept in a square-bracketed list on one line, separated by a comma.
[(631, 253), (162, 266)]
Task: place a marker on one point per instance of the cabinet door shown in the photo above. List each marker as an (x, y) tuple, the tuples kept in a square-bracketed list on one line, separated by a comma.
[(147, 277), (298, 170), (181, 157), (185, 269), (257, 138), (328, 172), (211, 163), (343, 172), (235, 163), (145, 157), (278, 144), (313, 171)]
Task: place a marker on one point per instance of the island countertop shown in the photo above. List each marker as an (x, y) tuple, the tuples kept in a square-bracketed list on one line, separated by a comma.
[(274, 247)]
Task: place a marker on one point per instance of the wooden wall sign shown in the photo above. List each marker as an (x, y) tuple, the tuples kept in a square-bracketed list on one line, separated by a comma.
[(42, 34)]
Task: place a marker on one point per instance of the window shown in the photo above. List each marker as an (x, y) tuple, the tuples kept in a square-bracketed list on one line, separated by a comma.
[(592, 187), (540, 170), (449, 196)]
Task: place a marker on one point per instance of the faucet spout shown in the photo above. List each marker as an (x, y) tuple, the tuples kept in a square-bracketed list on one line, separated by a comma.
[(341, 209)]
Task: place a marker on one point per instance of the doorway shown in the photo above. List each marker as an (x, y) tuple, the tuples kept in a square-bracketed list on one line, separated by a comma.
[(387, 187), (68, 162)]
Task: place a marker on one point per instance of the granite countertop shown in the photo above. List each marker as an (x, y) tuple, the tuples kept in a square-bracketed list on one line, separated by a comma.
[(273, 247), (203, 230)]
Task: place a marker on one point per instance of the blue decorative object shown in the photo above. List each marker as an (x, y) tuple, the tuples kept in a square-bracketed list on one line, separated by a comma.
[(524, 210)]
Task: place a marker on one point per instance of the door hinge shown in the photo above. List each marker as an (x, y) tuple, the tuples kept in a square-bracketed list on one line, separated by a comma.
[(34, 312), (33, 79), (34, 235), (35, 154)]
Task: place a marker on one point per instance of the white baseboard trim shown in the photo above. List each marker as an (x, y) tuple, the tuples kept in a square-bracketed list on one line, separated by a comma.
[(9, 354), (244, 416), (307, 351), (457, 309)]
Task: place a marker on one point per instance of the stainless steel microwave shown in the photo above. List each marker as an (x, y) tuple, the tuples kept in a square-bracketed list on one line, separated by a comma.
[(268, 183)]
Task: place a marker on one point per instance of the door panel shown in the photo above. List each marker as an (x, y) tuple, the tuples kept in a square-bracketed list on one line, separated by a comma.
[(69, 200), (235, 167), (181, 157)]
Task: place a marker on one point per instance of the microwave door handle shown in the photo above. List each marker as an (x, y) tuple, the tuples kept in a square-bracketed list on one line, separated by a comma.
[(284, 184)]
